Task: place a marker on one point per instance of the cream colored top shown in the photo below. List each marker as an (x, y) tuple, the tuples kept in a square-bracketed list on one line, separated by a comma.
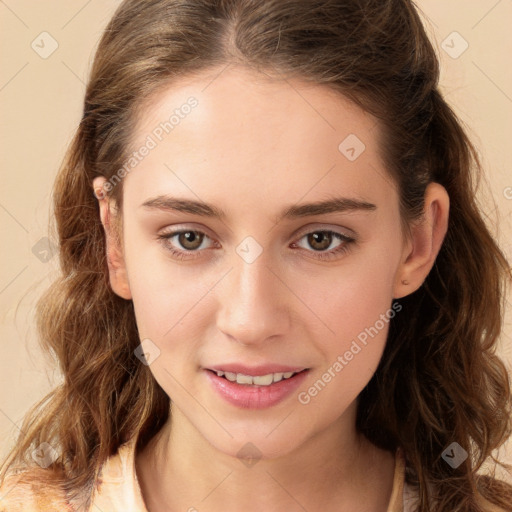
[(117, 490)]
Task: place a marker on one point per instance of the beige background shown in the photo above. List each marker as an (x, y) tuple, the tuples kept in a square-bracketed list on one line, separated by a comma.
[(41, 102)]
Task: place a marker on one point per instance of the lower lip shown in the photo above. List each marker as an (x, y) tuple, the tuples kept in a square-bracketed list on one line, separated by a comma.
[(252, 396)]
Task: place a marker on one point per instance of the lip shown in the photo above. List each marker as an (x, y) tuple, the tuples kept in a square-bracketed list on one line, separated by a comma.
[(253, 396), (255, 371)]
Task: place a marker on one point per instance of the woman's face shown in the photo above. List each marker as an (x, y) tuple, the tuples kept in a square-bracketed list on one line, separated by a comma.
[(288, 259)]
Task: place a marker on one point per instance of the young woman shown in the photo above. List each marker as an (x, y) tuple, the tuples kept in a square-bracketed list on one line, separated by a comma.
[(277, 291)]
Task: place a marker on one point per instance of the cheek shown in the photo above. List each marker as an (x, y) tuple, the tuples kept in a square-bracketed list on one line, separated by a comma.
[(352, 296), (166, 295), (355, 302), (358, 308), (166, 304)]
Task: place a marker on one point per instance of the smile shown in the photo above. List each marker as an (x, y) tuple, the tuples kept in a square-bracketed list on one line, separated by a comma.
[(255, 391)]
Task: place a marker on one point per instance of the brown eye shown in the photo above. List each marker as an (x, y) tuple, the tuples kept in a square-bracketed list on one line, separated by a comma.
[(326, 244), (320, 240), (186, 244), (190, 240)]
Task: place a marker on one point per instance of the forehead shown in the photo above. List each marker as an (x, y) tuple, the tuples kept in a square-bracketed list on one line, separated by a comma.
[(235, 130), (238, 101)]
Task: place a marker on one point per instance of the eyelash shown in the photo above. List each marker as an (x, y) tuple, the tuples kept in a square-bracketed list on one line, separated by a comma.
[(341, 249)]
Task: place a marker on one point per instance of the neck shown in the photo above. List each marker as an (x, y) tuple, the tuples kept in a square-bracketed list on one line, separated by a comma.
[(338, 470)]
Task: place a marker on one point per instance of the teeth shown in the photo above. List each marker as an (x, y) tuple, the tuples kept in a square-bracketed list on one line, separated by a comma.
[(244, 379), (261, 380)]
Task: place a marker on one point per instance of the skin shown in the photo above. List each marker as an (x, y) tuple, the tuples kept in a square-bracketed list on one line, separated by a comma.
[(254, 147)]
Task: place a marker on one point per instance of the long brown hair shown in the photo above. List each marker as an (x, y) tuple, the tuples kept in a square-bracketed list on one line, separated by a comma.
[(439, 380)]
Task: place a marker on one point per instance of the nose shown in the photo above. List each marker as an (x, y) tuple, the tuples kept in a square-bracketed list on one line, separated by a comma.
[(253, 303)]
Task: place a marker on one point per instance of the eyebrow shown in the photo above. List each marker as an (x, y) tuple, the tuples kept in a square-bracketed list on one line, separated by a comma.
[(334, 205)]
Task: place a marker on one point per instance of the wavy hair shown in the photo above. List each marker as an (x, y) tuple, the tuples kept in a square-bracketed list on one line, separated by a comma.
[(439, 379)]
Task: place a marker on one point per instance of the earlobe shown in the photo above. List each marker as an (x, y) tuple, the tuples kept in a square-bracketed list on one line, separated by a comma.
[(425, 242), (116, 264)]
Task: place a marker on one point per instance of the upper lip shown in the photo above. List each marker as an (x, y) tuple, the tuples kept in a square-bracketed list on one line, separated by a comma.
[(255, 371)]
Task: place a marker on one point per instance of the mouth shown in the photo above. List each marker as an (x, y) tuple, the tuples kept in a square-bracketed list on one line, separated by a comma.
[(255, 388)]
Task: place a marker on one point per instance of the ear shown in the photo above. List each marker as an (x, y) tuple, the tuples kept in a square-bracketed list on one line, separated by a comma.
[(115, 259), (427, 235)]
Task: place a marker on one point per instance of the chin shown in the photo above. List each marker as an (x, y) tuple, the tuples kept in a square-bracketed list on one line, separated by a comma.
[(252, 445)]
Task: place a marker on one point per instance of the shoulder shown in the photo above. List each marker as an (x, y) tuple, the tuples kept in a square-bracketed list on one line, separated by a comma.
[(117, 486), (37, 490), (28, 492)]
